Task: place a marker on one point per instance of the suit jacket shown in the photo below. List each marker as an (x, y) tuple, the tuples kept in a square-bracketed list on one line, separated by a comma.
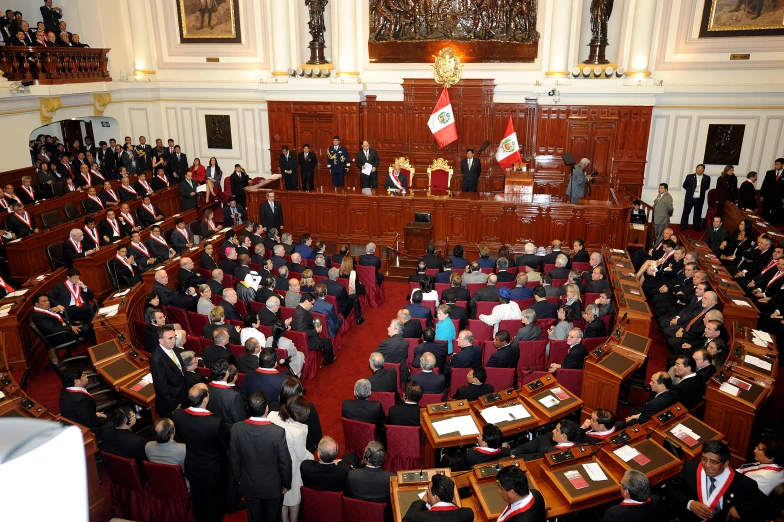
[(308, 165), (145, 218), (651, 511), (468, 357), (325, 477), (80, 407), (126, 275), (438, 349), (430, 382), (412, 329), (402, 180), (247, 363), (595, 328), (461, 294), (156, 249), (529, 332), (690, 184), (18, 227), (394, 349), (545, 310), (270, 219), (595, 287), (715, 237), (472, 392), (288, 163), (383, 380), (70, 253), (179, 166), (506, 357), (747, 195), (363, 411), (662, 209), (178, 241), (228, 220), (334, 322), (227, 404), (661, 402), (486, 294), (419, 512), (748, 500), (267, 381), (371, 158), (575, 359), (370, 484), (404, 415), (575, 190), (60, 295), (124, 443), (559, 273), (459, 313), (168, 381), (206, 440), (303, 322), (189, 201), (472, 457), (230, 311), (690, 391), (476, 168)]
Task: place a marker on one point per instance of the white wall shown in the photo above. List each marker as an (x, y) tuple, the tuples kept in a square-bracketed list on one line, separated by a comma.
[(53, 129)]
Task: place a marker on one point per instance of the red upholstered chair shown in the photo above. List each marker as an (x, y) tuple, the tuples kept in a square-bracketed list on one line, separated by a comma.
[(205, 273), (228, 281), (488, 349), (501, 378), (139, 327), (579, 323), (506, 284), (387, 399), (376, 295), (430, 398), (532, 356), (593, 343), (558, 351), (548, 268), (440, 287), (357, 435), (321, 506), (439, 175), (487, 271), (607, 320), (412, 287), (713, 202), (582, 267), (178, 315), (589, 298), (403, 447), (396, 367), (544, 325), (313, 358), (556, 300), (266, 330), (216, 299), (204, 342), (127, 489), (412, 343), (431, 272), (204, 372), (421, 320), (511, 326), (473, 287), (485, 307), (324, 334), (242, 308), (528, 377), (481, 331), (572, 380), (226, 192), (286, 312), (417, 371), (558, 283), (198, 322), (192, 344), (236, 350), (458, 377), (431, 305), (355, 510), (168, 495), (532, 284), (462, 304), (256, 306)]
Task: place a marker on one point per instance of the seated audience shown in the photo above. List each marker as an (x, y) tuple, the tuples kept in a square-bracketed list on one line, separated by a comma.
[(431, 382), (121, 440), (382, 379), (163, 449), (407, 413), (529, 331), (328, 473), (488, 449), (370, 483), (507, 354), (638, 503), (562, 437), (438, 503), (360, 408), (766, 470)]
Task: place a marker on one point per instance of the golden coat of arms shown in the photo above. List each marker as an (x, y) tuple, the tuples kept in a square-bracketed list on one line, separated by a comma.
[(447, 68)]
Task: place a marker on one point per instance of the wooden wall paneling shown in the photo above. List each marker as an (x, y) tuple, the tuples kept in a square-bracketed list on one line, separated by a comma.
[(390, 219), (601, 151), (459, 218), (14, 177), (634, 125), (523, 222), (346, 124), (281, 124), (560, 221), (490, 227), (298, 214), (629, 176), (551, 175), (359, 215), (551, 130), (327, 220)]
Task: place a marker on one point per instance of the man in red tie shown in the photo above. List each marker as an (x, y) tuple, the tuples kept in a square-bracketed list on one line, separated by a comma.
[(772, 193), (74, 296)]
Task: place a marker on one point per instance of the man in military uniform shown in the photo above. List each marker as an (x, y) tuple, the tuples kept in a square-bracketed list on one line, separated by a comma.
[(338, 162)]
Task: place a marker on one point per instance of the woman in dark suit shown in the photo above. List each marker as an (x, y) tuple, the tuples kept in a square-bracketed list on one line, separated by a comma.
[(726, 189), (239, 180), (213, 178)]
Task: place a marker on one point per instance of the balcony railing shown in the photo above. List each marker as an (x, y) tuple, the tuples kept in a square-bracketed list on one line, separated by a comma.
[(54, 65)]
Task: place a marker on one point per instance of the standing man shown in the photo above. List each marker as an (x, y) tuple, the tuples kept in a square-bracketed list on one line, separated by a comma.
[(575, 191), (288, 168), (773, 188), (662, 212), (338, 162), (747, 194), (307, 164), (368, 175), (471, 168), (271, 213), (260, 461), (167, 374), (144, 155), (696, 186)]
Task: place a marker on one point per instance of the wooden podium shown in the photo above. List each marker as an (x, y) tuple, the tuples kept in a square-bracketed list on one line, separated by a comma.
[(406, 487), (439, 412), (664, 426), (606, 368), (540, 392), (417, 236), (506, 399)]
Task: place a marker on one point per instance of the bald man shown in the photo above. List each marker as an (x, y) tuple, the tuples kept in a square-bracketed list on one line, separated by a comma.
[(368, 175)]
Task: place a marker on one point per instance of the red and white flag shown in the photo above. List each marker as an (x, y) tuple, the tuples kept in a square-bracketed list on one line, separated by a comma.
[(442, 121), (508, 152)]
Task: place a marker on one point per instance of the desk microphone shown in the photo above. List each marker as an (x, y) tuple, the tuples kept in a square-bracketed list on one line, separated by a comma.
[(664, 417)]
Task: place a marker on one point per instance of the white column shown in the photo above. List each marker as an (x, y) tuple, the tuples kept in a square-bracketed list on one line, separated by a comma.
[(143, 61), (281, 37), (347, 38), (560, 34), (642, 38)]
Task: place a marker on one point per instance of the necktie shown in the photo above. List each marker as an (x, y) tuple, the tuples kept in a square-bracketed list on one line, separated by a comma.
[(469, 164), (367, 154), (174, 358), (306, 155), (696, 318), (712, 486), (77, 294)]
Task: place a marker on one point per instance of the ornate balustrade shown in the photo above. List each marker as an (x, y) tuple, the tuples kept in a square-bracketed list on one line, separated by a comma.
[(54, 65)]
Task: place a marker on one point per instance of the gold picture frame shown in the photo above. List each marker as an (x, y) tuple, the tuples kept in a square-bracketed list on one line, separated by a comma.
[(728, 18), (209, 21)]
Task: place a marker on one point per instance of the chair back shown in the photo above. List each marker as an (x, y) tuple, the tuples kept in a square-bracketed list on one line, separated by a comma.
[(51, 218), (607, 320), (412, 287), (54, 251), (501, 378), (396, 367), (357, 435), (204, 372), (286, 312), (321, 506), (166, 480), (430, 304), (558, 351), (581, 266), (473, 287), (431, 272), (488, 349), (511, 326), (403, 448), (139, 327), (355, 510), (487, 271), (591, 343), (256, 306), (458, 379), (548, 267), (485, 307), (57, 188), (216, 299), (197, 322), (417, 371), (430, 398), (440, 287), (178, 315), (242, 308), (481, 331), (572, 380), (412, 344), (376, 294), (195, 227), (533, 355), (192, 344), (544, 325), (237, 349), (387, 399), (525, 378), (558, 283), (123, 472), (421, 320), (71, 212)]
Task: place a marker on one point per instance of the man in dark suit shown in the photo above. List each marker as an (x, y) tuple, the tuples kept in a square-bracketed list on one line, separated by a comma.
[(501, 273), (579, 254), (21, 223), (188, 192), (430, 382), (471, 169), (74, 296), (529, 259), (78, 405), (51, 16), (562, 437), (92, 203), (249, 361), (417, 309), (486, 294), (438, 505), (120, 440), (342, 252), (327, 473), (206, 440), (470, 355), (369, 259), (267, 378), (407, 413), (182, 237), (575, 357), (307, 164), (461, 293), (382, 379), (233, 213), (157, 244), (717, 235), (420, 272), (598, 282), (523, 503), (187, 274), (303, 322), (488, 449), (167, 373), (661, 386), (691, 387), (260, 461), (696, 186), (370, 483), (225, 400), (361, 409), (287, 161), (430, 260), (178, 165), (395, 347), (476, 387), (149, 213), (128, 274), (737, 496), (594, 326), (747, 193), (507, 355), (455, 312), (772, 193), (550, 258), (638, 503), (598, 427), (228, 304), (271, 213), (76, 247), (367, 156)]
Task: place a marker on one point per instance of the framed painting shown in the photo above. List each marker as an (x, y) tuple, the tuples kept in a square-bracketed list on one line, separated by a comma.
[(218, 131), (209, 21), (723, 144), (722, 18)]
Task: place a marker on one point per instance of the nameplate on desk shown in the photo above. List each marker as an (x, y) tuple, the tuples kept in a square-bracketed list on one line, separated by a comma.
[(535, 385), (416, 477), (493, 469), (440, 408)]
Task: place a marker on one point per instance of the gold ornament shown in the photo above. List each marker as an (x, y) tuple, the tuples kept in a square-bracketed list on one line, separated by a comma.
[(48, 108), (440, 164), (100, 102), (447, 68), (402, 163)]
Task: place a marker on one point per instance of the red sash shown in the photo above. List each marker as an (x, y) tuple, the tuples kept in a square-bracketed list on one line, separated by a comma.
[(128, 188), (88, 178), (123, 261), (93, 234), (114, 226), (777, 276), (487, 451), (159, 240), (77, 246), (145, 185), (25, 218), (142, 248), (770, 265), (77, 295), (5, 285), (3, 203), (183, 233), (522, 509), (151, 209), (97, 200), (48, 312), (211, 224), (13, 196), (631, 503), (267, 370), (197, 413), (129, 218), (769, 467), (443, 508), (565, 445), (595, 435), (702, 495), (113, 195), (94, 173), (30, 191), (217, 385), (164, 179), (258, 423), (84, 392)]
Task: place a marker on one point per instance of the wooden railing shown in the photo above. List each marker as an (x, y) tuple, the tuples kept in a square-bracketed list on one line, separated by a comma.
[(54, 65)]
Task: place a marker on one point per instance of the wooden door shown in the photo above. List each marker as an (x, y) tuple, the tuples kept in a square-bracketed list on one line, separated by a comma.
[(72, 131), (578, 142), (601, 145), (316, 131)]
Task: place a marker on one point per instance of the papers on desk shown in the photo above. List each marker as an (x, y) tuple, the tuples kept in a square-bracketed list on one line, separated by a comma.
[(176, 215), (626, 453), (4, 312), (159, 268), (120, 294), (40, 277), (729, 388), (158, 223), (595, 472), (17, 293), (739, 383), (367, 168), (201, 188), (16, 240), (765, 336), (686, 434), (637, 226), (224, 230), (759, 342), (741, 303), (618, 251), (548, 401), (463, 424), (577, 480), (106, 310), (756, 361), (494, 414)]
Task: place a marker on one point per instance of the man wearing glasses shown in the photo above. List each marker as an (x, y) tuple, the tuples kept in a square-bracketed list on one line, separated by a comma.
[(709, 489), (575, 357)]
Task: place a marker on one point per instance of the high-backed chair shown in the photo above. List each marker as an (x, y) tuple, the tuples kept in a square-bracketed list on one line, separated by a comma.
[(355, 510), (71, 212), (167, 493), (321, 506), (54, 251), (406, 170), (387, 399), (439, 175), (127, 488), (403, 448), (51, 218), (357, 434)]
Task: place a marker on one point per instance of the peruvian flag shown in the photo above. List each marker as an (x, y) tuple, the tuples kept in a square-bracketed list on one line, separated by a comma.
[(442, 121), (508, 152)]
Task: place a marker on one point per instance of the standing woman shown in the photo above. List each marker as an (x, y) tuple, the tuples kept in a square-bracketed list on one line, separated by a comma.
[(726, 189), (214, 176), (197, 169), (158, 161), (239, 180)]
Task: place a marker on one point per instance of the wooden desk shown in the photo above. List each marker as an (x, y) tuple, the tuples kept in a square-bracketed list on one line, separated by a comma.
[(27, 256), (543, 388), (417, 236), (432, 440), (671, 417), (733, 216), (606, 368), (404, 493), (130, 308), (485, 488), (507, 398), (636, 310)]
